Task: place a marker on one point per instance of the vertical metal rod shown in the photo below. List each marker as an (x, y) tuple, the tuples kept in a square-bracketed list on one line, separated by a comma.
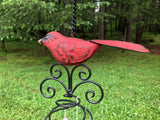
[(74, 18), (69, 92)]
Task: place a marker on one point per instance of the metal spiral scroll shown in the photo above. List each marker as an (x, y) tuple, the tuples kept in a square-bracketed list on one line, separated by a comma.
[(86, 80), (64, 103)]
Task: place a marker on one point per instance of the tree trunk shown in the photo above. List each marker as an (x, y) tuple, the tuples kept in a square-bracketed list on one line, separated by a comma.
[(155, 29), (105, 24), (158, 28), (139, 33), (116, 27), (128, 30), (105, 30), (101, 24), (122, 20), (111, 31), (94, 27), (116, 17), (101, 29), (3, 46), (121, 26)]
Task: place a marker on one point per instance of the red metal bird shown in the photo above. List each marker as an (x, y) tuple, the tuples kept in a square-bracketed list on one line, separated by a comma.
[(74, 51)]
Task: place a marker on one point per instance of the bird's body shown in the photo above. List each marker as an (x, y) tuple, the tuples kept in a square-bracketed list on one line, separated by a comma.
[(74, 51)]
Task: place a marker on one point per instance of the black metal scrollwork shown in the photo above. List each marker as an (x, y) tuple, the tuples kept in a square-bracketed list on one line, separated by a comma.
[(64, 103), (86, 80)]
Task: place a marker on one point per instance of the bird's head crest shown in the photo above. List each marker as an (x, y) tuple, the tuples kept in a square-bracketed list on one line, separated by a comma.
[(51, 36)]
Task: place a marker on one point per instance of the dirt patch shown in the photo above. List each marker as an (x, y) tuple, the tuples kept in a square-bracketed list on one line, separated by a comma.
[(154, 49)]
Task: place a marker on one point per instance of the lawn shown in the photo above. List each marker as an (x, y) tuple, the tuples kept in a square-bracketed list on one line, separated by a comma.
[(130, 80)]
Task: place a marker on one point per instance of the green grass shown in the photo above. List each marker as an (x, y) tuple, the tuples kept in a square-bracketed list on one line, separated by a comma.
[(131, 83)]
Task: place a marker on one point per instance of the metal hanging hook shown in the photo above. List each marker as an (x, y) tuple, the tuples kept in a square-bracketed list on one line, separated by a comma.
[(74, 18)]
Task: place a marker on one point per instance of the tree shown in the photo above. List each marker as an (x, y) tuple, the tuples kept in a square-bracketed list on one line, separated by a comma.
[(32, 19), (141, 16), (101, 22), (102, 18), (140, 13), (89, 14)]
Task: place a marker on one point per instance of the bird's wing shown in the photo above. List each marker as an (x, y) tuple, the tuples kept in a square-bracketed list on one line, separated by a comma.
[(72, 51), (122, 44)]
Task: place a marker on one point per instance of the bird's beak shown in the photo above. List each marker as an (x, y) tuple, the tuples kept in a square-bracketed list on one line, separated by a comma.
[(39, 41)]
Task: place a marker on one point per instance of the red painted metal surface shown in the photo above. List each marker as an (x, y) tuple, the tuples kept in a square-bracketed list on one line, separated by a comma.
[(74, 51)]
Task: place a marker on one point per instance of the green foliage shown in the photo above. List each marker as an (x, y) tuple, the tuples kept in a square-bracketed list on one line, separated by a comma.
[(25, 19), (31, 19), (86, 15)]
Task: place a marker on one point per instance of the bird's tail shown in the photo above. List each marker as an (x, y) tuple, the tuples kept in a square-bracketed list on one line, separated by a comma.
[(122, 44)]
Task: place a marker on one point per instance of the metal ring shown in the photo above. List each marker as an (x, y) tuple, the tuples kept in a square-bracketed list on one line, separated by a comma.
[(67, 104)]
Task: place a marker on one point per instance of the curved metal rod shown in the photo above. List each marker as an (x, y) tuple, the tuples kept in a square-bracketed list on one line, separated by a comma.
[(51, 88), (58, 70), (69, 104), (52, 111), (91, 91), (69, 91), (84, 111), (49, 115), (66, 106), (82, 72)]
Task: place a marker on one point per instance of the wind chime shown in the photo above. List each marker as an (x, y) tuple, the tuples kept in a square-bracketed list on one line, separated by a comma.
[(64, 104), (71, 51)]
